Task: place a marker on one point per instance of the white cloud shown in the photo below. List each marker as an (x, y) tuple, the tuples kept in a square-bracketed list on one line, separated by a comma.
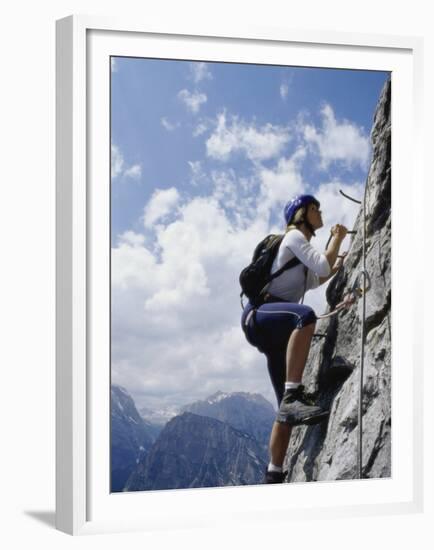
[(279, 184), (134, 172), (131, 264), (114, 65), (338, 141), (169, 126), (192, 100), (200, 71), (225, 189), (177, 310), (131, 238), (197, 174), (118, 168), (195, 166), (257, 143), (286, 85), (162, 202), (200, 129), (117, 161)]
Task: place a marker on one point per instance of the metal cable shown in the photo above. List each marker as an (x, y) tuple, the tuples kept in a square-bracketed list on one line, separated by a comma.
[(362, 348), (362, 292)]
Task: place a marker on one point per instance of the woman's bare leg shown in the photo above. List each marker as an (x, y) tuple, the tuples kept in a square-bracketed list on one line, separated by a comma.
[(296, 357), (279, 441), (297, 352)]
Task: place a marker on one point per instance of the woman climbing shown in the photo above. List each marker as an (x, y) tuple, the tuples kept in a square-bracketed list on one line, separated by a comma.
[(282, 328)]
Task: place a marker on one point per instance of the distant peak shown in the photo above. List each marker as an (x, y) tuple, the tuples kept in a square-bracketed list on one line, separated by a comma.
[(218, 396), (116, 387)]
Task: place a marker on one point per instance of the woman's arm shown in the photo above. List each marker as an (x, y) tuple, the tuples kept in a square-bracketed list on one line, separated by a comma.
[(300, 247), (323, 280), (339, 233), (338, 264)]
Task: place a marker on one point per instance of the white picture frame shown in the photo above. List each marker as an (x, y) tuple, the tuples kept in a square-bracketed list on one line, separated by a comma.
[(84, 504)]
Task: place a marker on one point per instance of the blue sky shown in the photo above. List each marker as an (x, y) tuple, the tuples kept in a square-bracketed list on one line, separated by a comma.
[(204, 156)]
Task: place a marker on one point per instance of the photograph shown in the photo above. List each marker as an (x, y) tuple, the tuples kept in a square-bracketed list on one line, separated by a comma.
[(250, 274)]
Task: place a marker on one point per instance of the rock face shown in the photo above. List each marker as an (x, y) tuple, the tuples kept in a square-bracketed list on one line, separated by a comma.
[(246, 412), (199, 451), (131, 437), (329, 451)]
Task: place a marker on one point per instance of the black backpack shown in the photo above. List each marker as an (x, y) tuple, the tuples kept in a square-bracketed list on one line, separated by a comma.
[(256, 276)]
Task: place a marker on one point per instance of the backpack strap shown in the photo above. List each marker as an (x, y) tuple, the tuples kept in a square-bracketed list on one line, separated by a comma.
[(289, 264)]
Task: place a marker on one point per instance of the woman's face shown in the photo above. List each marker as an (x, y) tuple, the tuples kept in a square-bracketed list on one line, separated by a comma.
[(314, 216)]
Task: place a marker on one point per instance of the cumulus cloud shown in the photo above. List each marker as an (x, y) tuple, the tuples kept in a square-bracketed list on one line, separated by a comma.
[(133, 172), (225, 190), (340, 141), (176, 305), (280, 183), (284, 89), (169, 126), (195, 166), (200, 71), (197, 173), (192, 100), (286, 84), (131, 264), (200, 129), (257, 143), (117, 161), (131, 238), (119, 170), (162, 202)]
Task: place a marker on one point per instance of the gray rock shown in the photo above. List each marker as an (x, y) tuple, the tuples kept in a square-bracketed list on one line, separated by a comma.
[(329, 451)]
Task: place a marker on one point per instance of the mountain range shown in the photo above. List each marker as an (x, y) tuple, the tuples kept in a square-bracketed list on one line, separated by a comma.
[(199, 451), (249, 413), (131, 437), (219, 441)]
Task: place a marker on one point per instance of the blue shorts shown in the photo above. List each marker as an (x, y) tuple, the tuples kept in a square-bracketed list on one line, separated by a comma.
[(269, 328)]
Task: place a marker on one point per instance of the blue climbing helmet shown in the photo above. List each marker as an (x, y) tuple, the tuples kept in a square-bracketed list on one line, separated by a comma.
[(297, 202)]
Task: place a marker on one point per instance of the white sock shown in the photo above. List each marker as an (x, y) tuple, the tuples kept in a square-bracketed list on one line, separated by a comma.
[(291, 385), (273, 468)]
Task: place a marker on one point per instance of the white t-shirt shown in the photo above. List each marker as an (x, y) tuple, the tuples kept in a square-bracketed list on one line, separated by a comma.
[(291, 283)]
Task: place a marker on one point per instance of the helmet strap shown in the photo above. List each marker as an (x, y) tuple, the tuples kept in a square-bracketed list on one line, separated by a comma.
[(307, 224), (310, 227)]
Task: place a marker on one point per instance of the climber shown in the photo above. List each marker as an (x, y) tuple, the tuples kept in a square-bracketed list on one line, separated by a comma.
[(282, 328)]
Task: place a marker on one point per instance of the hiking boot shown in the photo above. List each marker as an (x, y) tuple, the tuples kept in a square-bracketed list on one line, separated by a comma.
[(274, 477), (296, 408)]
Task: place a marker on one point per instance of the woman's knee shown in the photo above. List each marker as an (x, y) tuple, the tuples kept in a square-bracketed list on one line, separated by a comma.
[(309, 327), (308, 320)]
